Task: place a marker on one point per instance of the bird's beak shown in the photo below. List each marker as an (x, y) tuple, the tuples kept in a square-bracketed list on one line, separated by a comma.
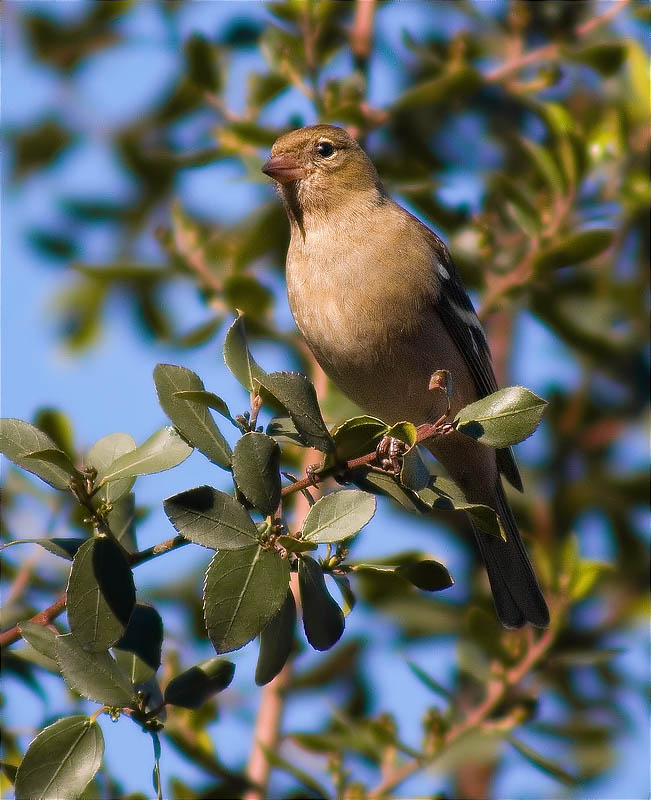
[(284, 168)]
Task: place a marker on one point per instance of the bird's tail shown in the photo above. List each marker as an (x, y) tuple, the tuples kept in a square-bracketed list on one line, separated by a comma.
[(516, 592)]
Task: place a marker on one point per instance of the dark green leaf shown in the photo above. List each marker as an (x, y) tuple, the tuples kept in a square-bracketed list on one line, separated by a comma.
[(211, 518), (63, 547), (209, 399), (430, 682), (573, 249), (383, 483), (163, 450), (444, 495), (193, 687), (456, 83), (55, 457), (105, 452), (242, 592), (237, 356), (121, 519), (427, 575), (38, 145), (61, 761), (503, 418), (583, 658), (323, 620), (101, 594), (542, 762), (358, 436), (414, 473), (58, 427), (338, 516), (256, 471), (276, 641), (545, 164), (202, 67), (19, 438), (191, 418), (297, 394), (94, 675), (136, 670), (606, 57), (144, 635), (283, 428), (40, 637), (245, 293)]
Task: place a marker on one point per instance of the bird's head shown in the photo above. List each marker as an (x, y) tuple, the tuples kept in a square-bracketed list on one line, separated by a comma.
[(320, 169)]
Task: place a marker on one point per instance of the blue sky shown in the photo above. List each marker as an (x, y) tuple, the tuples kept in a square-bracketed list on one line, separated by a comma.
[(110, 388)]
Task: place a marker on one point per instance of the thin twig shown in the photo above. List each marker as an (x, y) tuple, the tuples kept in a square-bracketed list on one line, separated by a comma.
[(44, 617), (552, 51), (496, 690)]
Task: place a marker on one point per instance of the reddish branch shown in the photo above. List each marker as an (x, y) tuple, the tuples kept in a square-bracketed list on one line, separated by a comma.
[(44, 617)]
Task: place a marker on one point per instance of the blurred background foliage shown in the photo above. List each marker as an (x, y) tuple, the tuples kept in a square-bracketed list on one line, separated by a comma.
[(520, 132)]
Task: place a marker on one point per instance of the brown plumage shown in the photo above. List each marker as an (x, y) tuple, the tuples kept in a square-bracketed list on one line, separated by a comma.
[(380, 304)]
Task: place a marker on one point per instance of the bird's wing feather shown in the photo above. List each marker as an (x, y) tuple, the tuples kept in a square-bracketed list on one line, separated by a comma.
[(461, 322)]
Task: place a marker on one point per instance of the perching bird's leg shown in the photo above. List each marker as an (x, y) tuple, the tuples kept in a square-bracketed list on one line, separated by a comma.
[(389, 453)]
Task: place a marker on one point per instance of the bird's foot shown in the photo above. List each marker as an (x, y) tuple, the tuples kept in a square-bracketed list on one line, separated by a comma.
[(389, 453)]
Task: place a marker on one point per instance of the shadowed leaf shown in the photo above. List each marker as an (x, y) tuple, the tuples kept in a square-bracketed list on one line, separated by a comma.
[(276, 641), (323, 620)]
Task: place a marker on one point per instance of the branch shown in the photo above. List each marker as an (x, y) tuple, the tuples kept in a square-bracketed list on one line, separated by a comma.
[(44, 617), (496, 691), (552, 51)]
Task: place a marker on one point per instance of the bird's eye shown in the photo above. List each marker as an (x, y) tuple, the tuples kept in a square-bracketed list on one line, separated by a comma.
[(325, 149)]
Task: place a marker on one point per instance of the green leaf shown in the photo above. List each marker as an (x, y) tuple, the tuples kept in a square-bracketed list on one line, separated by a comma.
[(542, 762), (61, 761), (211, 518), (385, 484), (297, 394), (105, 452), (338, 516), (606, 57), (276, 641), (323, 620), (456, 83), (256, 471), (237, 357), (585, 658), (58, 427), (242, 592), (573, 249), (201, 59), (63, 547), (121, 520), (246, 294), (444, 495), (414, 473), (101, 594), (93, 675), (430, 682), (40, 637), (193, 687), (192, 419), (347, 596), (404, 431), (545, 165), (143, 636), (55, 457), (163, 450), (584, 577), (209, 399), (19, 438), (358, 436), (427, 575), (293, 545), (505, 417), (284, 429)]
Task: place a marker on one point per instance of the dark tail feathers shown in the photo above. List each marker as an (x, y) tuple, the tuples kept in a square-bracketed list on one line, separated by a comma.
[(516, 592)]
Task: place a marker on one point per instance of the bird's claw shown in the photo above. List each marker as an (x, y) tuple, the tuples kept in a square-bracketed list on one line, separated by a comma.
[(389, 453)]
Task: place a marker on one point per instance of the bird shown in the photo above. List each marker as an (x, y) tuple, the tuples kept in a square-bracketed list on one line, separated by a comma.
[(377, 298)]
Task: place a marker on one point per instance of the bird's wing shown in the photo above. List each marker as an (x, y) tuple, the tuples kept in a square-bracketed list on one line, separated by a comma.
[(461, 322)]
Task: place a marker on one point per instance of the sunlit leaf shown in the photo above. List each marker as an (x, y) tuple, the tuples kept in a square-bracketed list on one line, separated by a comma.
[(338, 516)]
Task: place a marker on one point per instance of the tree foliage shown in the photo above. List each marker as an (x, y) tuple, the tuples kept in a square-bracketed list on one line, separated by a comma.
[(560, 94)]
